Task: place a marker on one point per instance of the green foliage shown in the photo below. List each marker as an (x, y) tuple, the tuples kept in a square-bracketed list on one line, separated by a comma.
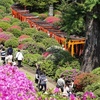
[(12, 41), (72, 18), (29, 40), (43, 16), (39, 36), (34, 47), (58, 55), (59, 71), (48, 67), (29, 31), (31, 59), (6, 4), (95, 88), (74, 64), (4, 25), (3, 8), (48, 42), (96, 71), (16, 32), (14, 20), (24, 25)]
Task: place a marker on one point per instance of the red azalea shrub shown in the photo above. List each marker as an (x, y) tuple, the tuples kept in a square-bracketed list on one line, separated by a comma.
[(14, 27), (4, 37), (6, 19), (22, 37), (21, 46), (1, 30), (84, 79), (52, 19), (45, 54)]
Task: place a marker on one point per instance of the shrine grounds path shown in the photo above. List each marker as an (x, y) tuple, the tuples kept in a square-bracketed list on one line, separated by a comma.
[(30, 72)]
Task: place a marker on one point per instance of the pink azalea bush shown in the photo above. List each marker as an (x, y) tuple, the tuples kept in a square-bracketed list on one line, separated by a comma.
[(4, 36), (52, 19), (22, 37), (14, 85), (6, 19), (21, 46), (14, 27), (1, 30)]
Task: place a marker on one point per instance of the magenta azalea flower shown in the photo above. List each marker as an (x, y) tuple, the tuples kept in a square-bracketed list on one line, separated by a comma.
[(14, 85)]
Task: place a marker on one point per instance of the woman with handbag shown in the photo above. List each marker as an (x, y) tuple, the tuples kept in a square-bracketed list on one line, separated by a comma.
[(19, 57)]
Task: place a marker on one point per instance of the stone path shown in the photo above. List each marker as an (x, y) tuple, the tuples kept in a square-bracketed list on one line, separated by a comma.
[(31, 73), (50, 83)]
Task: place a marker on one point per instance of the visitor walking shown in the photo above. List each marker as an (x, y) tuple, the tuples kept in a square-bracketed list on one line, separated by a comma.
[(9, 59), (19, 58), (3, 55), (61, 83), (37, 73), (10, 50), (42, 82), (67, 91)]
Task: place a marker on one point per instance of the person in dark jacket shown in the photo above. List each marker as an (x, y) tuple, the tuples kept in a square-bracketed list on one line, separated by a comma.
[(42, 82), (37, 73), (3, 55), (10, 50)]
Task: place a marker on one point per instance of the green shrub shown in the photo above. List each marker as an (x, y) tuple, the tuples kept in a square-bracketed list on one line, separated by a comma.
[(73, 64), (58, 55), (4, 25), (16, 32), (95, 88), (39, 36), (48, 67), (12, 41), (48, 42), (43, 16), (29, 31), (58, 72), (29, 40), (3, 8), (96, 71), (24, 25), (15, 20), (35, 13), (31, 59), (35, 47)]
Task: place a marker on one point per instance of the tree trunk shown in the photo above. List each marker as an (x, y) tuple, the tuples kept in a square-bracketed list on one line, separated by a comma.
[(91, 54)]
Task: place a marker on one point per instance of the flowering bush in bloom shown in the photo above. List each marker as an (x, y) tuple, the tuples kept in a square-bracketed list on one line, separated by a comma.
[(83, 80), (6, 19), (88, 96), (22, 37), (14, 85), (70, 74), (4, 36), (21, 46), (14, 27), (52, 19), (1, 30)]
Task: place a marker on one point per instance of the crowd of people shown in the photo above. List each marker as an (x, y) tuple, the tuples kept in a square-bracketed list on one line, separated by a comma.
[(64, 86), (7, 56)]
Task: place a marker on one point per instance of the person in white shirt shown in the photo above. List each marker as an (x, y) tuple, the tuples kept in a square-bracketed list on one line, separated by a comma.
[(67, 91), (19, 57), (8, 59)]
